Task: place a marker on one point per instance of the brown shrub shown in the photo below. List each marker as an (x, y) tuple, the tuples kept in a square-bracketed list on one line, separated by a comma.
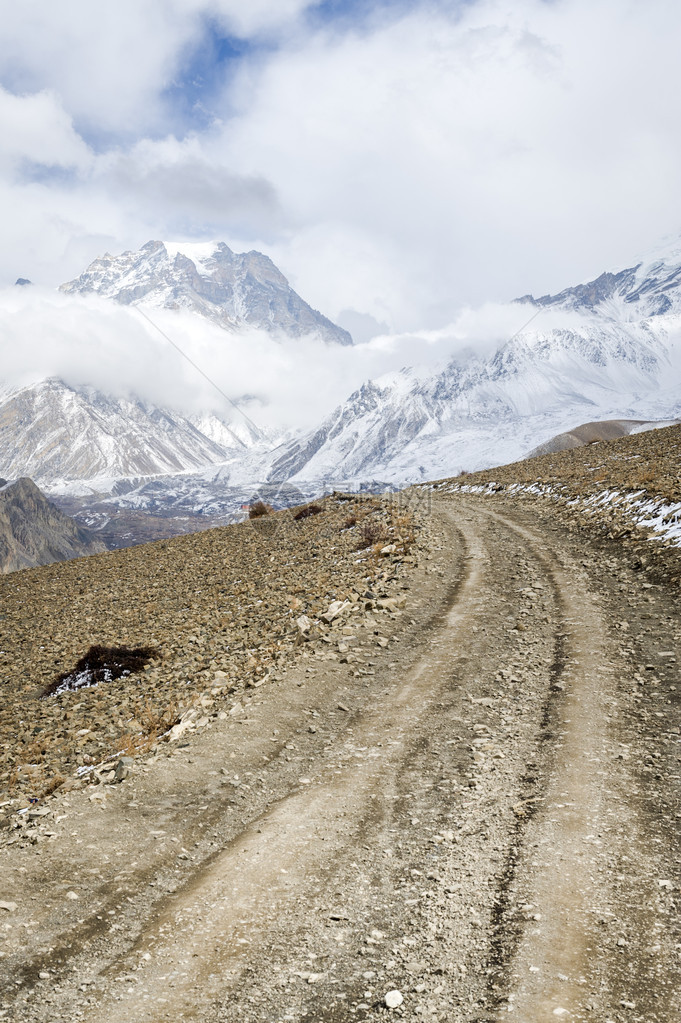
[(52, 784), (306, 511), (370, 533), (259, 509), (154, 722)]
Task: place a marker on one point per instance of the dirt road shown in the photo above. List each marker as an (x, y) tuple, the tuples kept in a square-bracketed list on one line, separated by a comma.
[(485, 818)]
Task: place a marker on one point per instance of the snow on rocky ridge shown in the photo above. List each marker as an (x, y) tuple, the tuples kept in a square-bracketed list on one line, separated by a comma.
[(486, 411), (233, 289)]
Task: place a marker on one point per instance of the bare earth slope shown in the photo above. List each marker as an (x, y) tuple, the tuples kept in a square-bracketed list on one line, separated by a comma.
[(472, 800), (587, 433), (648, 460)]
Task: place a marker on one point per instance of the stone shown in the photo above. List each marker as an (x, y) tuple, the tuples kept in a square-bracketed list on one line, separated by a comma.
[(336, 608), (304, 624), (123, 768), (393, 999), (34, 815), (72, 896), (8, 907)]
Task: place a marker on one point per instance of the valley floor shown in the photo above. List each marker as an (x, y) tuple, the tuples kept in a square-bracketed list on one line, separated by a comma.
[(485, 819)]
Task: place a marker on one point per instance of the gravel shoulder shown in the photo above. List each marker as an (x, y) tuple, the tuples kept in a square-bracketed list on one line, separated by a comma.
[(480, 814)]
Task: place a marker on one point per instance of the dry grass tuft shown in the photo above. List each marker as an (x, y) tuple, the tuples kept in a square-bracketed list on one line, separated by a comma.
[(306, 511), (371, 533), (155, 723), (259, 510), (52, 784)]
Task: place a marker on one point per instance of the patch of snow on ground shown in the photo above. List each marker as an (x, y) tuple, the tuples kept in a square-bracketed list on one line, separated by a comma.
[(655, 514)]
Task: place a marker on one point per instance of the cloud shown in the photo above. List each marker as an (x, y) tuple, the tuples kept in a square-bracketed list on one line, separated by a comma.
[(400, 166), (281, 383), (480, 155), (112, 64), (174, 184), (37, 131)]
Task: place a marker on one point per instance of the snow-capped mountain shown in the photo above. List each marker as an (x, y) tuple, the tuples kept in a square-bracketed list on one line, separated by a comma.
[(608, 349), (616, 355), (52, 432), (650, 288), (233, 289)]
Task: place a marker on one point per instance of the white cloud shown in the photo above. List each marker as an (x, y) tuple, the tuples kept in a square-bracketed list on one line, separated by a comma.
[(287, 382), (256, 16), (110, 63), (36, 129), (455, 154), (481, 156), (170, 183)]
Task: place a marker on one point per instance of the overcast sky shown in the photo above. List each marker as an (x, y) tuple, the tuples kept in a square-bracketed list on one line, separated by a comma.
[(400, 160)]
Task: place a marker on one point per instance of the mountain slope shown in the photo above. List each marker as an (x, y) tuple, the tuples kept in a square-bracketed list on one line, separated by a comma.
[(591, 433), (34, 532), (232, 289), (51, 431), (412, 425)]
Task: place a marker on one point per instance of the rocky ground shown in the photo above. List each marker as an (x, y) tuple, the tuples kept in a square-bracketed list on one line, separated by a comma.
[(625, 490), (221, 608), (458, 800)]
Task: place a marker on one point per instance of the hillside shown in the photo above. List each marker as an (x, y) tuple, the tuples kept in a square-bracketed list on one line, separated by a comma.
[(644, 461), (219, 606)]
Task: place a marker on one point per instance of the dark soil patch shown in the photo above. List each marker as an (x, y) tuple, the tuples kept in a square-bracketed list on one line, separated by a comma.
[(102, 664)]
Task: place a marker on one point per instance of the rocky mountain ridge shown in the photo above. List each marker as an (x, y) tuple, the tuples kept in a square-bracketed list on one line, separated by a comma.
[(233, 289), (650, 288), (34, 532), (51, 431)]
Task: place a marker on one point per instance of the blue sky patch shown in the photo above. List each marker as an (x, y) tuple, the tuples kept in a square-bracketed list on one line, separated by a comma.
[(203, 74)]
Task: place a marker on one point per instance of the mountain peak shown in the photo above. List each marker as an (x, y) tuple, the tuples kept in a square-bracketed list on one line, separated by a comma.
[(652, 287), (233, 289)]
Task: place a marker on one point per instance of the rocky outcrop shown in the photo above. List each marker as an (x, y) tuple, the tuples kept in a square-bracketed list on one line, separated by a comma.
[(34, 532)]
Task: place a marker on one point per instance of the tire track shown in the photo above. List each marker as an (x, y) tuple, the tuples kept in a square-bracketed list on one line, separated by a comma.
[(230, 905)]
